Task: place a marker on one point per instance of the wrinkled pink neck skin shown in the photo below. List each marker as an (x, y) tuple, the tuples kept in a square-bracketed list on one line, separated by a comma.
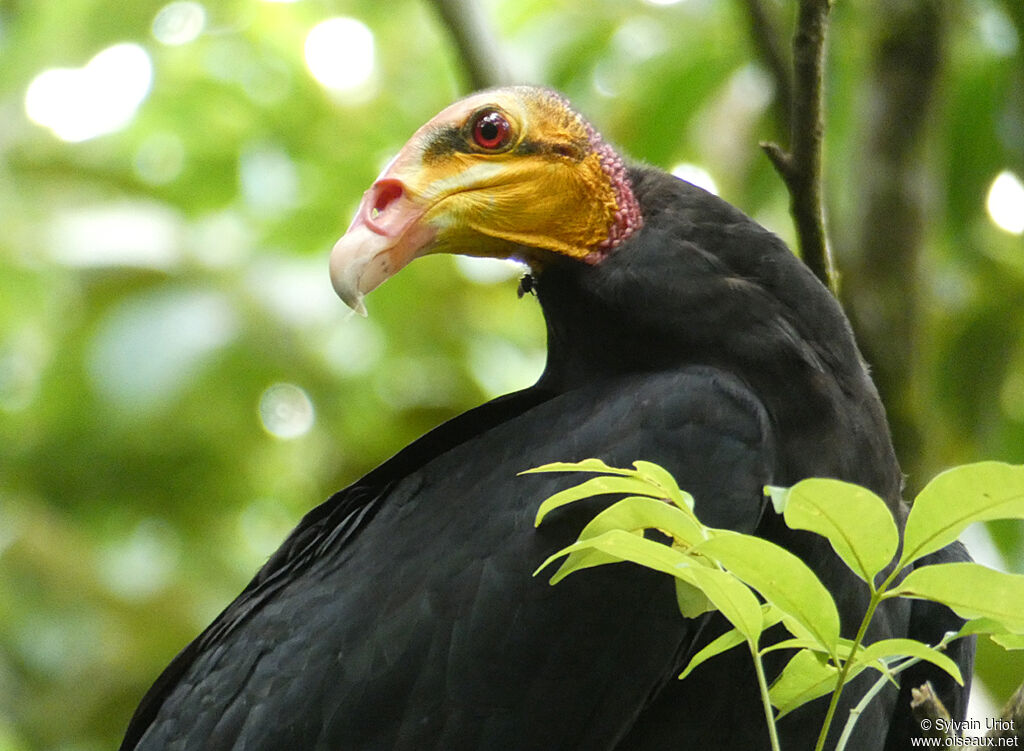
[(628, 218)]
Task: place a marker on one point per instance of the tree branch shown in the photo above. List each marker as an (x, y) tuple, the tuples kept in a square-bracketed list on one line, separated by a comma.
[(800, 168), (476, 43), (926, 705), (1012, 716)]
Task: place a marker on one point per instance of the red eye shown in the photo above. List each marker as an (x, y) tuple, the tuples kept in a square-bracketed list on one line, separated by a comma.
[(491, 130)]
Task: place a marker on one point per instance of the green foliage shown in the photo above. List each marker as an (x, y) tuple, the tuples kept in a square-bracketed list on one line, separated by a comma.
[(811, 506), (781, 578), (971, 590), (807, 676), (727, 567), (985, 491)]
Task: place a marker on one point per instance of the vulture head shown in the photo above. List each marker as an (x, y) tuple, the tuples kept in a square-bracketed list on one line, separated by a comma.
[(506, 173)]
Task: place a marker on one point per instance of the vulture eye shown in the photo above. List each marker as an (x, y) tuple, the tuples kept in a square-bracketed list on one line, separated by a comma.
[(491, 130)]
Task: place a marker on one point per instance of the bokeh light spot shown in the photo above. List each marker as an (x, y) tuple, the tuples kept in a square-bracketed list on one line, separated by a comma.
[(293, 289), (151, 348), (499, 366), (141, 234), (695, 175), (143, 563), (160, 158), (269, 178), (261, 526), (997, 32), (354, 348), (488, 270), (81, 103), (23, 357), (286, 411), (179, 22), (1005, 203), (339, 54)]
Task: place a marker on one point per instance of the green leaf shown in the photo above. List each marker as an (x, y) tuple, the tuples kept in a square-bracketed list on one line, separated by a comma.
[(957, 498), (796, 628), (778, 496), (664, 479), (1009, 641), (971, 590), (980, 626), (723, 643), (691, 601), (594, 487), (843, 646), (735, 601), (770, 616), (888, 649), (811, 644), (580, 556), (636, 513), (587, 465), (806, 676), (619, 545), (855, 521), (633, 514), (781, 578), (727, 593)]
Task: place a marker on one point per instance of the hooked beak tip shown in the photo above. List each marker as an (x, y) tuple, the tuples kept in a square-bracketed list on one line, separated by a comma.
[(385, 235), (347, 268), (356, 305)]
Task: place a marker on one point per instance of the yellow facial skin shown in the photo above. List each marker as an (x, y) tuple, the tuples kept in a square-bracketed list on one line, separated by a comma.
[(546, 190), (543, 188)]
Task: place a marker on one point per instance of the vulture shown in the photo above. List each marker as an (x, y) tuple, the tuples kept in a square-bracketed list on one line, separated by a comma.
[(403, 614)]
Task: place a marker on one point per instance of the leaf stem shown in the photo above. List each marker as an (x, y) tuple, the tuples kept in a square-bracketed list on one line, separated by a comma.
[(769, 715), (844, 671), (877, 595), (871, 693), (879, 685)]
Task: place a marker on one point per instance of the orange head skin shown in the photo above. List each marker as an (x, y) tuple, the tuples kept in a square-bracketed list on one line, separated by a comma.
[(511, 172)]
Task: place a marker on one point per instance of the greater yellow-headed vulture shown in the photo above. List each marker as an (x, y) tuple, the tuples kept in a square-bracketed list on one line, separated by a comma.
[(402, 614)]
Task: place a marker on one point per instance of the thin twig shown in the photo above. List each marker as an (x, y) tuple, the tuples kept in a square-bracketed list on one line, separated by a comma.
[(769, 715), (477, 44), (857, 712), (800, 168)]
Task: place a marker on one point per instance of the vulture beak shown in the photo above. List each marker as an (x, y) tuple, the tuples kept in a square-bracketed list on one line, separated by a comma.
[(385, 235)]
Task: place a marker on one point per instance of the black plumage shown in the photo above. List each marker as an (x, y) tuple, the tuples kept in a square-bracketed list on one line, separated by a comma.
[(402, 613)]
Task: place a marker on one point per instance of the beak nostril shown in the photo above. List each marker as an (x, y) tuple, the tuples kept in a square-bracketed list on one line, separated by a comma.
[(387, 192), (387, 208)]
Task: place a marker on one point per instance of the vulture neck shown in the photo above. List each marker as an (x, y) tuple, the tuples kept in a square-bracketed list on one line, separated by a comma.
[(703, 285)]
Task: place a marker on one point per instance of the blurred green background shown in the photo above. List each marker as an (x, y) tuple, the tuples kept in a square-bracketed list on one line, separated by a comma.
[(178, 383)]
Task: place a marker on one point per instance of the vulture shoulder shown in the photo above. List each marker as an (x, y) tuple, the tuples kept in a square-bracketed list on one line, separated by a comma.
[(403, 614)]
